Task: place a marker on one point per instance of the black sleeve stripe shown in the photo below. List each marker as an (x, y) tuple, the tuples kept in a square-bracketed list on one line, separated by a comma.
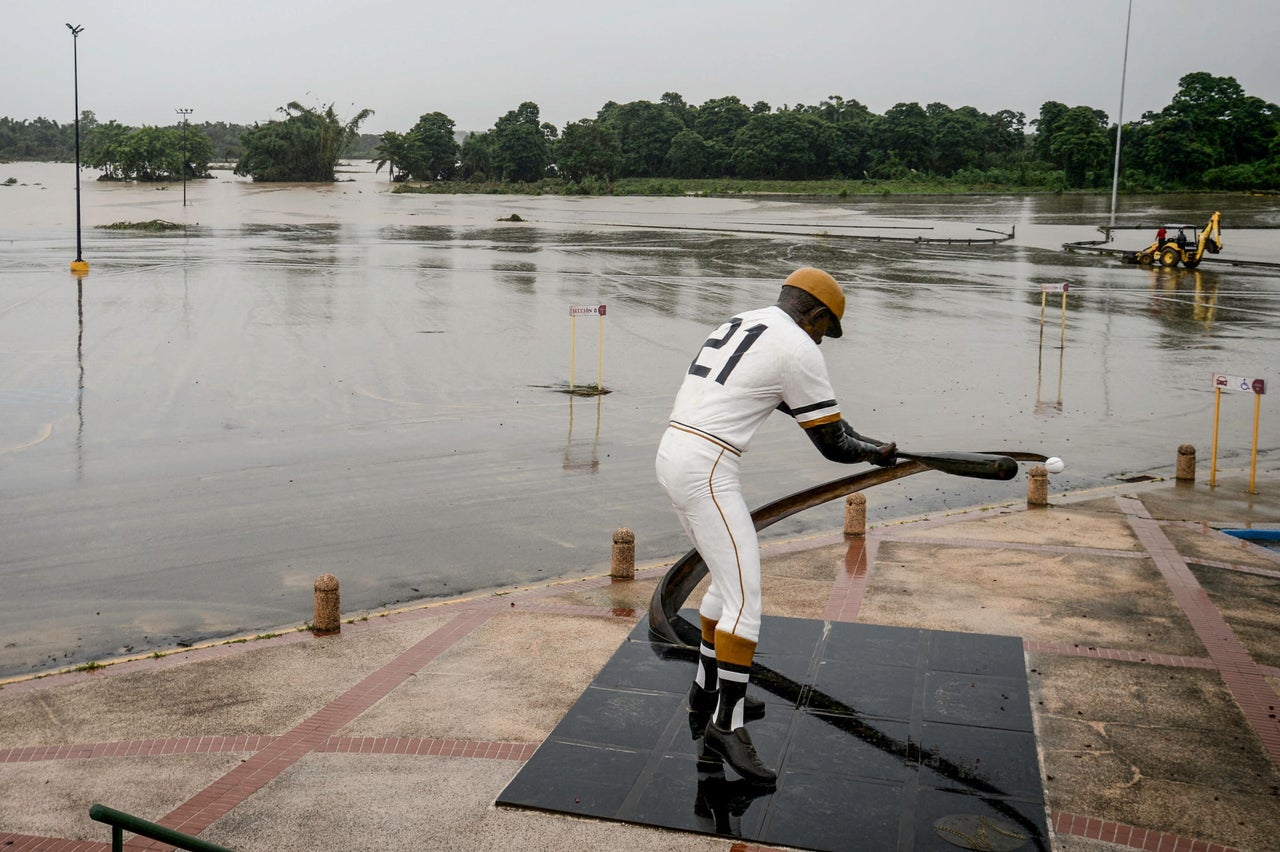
[(785, 409), (828, 403)]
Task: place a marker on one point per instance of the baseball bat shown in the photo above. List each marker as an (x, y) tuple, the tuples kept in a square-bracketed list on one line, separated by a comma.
[(976, 465)]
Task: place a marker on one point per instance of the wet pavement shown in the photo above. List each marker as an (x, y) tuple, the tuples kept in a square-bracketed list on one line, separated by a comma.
[(877, 733), (337, 379), (1145, 639)]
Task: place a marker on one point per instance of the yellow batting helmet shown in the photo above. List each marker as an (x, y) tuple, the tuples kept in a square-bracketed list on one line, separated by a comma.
[(822, 287)]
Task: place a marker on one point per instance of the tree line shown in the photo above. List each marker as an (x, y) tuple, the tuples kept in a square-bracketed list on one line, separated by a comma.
[(165, 153), (1211, 135)]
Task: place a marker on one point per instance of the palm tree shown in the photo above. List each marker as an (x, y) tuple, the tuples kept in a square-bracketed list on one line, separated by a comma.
[(305, 146), (393, 151)]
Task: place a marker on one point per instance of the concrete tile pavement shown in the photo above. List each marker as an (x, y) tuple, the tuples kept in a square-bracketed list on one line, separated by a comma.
[(1151, 643)]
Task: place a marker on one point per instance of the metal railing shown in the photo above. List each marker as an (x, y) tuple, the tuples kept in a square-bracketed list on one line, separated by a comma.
[(121, 822)]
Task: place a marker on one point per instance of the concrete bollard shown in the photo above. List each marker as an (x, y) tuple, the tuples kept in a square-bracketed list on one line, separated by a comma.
[(623, 564), (1186, 463), (1037, 486), (855, 514), (327, 618)]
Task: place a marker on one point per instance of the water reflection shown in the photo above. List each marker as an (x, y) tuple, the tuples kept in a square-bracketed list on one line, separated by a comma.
[(1206, 299), (1043, 406), (418, 233), (583, 459), (719, 804), (514, 240), (315, 232), (1186, 301), (80, 377), (521, 276)]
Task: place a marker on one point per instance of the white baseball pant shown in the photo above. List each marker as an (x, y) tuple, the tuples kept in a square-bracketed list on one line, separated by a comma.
[(700, 477)]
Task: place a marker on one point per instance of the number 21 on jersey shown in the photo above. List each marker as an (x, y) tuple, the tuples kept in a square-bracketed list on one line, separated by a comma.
[(724, 352)]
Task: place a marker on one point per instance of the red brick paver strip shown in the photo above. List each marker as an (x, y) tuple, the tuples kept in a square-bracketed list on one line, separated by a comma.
[(851, 583), (29, 843), (428, 747), (135, 748), (1120, 834), (216, 800)]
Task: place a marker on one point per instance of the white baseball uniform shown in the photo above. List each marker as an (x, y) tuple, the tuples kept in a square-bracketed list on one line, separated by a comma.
[(757, 362)]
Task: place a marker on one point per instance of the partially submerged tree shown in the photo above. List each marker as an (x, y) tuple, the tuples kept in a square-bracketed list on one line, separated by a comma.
[(392, 151), (520, 144), (305, 146), (147, 153), (476, 157), (432, 148)]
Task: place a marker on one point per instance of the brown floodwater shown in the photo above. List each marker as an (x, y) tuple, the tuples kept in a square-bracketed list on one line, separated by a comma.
[(338, 379)]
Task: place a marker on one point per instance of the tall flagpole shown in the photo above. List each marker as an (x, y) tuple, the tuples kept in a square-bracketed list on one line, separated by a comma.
[(1124, 69)]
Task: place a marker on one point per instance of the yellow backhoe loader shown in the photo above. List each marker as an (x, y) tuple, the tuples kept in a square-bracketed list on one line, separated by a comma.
[(1172, 246)]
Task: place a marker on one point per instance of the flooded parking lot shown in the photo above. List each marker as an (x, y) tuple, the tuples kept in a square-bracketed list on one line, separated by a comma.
[(341, 379)]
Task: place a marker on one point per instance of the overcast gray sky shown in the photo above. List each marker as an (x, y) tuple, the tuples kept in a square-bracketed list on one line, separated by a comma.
[(474, 60)]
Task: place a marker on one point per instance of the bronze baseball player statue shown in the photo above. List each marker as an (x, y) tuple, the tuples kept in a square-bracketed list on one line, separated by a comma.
[(755, 363)]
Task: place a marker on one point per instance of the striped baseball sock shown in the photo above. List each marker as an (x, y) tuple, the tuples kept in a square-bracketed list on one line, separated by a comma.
[(707, 676), (733, 660)]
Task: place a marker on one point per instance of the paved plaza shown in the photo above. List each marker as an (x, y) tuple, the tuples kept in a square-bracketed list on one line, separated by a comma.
[(1148, 640)]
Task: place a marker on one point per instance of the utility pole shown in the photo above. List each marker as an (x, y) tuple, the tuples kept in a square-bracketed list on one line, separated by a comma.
[(78, 266), (184, 112)]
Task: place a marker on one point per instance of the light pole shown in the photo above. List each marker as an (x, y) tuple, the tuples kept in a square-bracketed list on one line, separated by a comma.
[(184, 112), (1124, 70), (78, 266)]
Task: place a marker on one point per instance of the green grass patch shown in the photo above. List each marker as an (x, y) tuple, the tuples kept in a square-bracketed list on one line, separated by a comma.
[(973, 183), (151, 226), (586, 390), (592, 389)]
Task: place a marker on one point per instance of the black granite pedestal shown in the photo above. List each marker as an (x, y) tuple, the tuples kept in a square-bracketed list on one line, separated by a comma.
[(883, 738)]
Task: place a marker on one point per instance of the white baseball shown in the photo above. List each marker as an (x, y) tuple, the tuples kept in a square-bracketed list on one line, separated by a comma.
[(1055, 465)]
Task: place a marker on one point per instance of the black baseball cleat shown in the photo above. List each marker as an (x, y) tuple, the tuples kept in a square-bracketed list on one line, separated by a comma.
[(705, 700), (738, 751)]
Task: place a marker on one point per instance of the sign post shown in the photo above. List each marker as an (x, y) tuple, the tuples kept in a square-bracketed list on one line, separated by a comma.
[(1045, 290), (576, 311), (1258, 387)]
